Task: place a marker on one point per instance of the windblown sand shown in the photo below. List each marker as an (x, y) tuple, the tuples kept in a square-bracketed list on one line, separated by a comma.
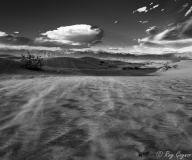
[(94, 118)]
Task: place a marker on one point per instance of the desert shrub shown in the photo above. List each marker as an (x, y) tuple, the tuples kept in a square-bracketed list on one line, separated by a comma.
[(175, 66), (166, 66), (131, 67), (124, 68), (31, 62), (101, 62)]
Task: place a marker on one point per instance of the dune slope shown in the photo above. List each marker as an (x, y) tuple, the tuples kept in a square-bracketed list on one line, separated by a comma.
[(73, 63), (183, 68)]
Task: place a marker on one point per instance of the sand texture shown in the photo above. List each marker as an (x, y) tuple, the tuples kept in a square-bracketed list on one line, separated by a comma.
[(94, 118)]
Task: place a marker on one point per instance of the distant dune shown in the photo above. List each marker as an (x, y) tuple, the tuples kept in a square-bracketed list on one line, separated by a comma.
[(96, 67), (74, 63), (101, 54), (178, 69), (8, 66)]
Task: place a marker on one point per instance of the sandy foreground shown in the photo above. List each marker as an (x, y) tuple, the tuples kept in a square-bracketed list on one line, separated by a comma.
[(95, 118)]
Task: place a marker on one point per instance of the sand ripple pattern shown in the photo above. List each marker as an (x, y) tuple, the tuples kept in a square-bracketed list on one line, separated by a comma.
[(94, 118)]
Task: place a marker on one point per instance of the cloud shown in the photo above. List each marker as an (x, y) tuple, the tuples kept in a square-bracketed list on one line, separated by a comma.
[(2, 34), (16, 32), (12, 40), (77, 36), (180, 31), (155, 6), (151, 3), (152, 50), (142, 9), (152, 30), (115, 48), (143, 22), (178, 36), (115, 21), (15, 40), (188, 12), (2, 47), (165, 43), (185, 49)]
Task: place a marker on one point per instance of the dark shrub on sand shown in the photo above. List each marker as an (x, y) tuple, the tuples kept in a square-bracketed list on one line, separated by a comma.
[(131, 67), (31, 62), (101, 62)]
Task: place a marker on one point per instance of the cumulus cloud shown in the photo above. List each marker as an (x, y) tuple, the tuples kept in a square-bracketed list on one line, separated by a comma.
[(151, 3), (16, 32), (142, 9), (2, 34), (152, 30), (77, 36)]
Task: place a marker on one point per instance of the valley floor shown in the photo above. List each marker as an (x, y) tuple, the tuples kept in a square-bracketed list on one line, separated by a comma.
[(94, 118)]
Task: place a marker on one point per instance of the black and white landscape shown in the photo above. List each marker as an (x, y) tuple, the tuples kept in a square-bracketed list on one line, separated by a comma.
[(96, 80)]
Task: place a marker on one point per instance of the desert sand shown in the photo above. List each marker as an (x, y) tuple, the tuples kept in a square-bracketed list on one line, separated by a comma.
[(86, 111)]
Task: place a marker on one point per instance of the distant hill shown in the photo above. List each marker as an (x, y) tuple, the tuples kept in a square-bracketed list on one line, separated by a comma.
[(100, 54), (168, 56), (187, 55)]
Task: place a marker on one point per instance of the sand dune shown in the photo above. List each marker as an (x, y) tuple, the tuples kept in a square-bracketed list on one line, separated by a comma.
[(74, 63), (75, 66), (182, 68), (8, 65), (93, 67), (72, 110)]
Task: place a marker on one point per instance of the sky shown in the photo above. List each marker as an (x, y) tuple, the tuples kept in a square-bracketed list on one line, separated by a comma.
[(144, 26)]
